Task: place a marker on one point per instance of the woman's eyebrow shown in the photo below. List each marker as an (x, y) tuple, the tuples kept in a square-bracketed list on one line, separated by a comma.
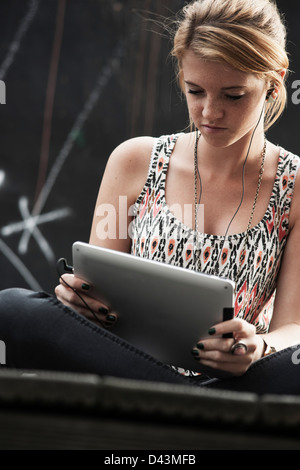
[(235, 87), (192, 84), (238, 87)]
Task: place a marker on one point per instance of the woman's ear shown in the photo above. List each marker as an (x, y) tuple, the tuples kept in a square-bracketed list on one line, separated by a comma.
[(283, 73), (273, 90)]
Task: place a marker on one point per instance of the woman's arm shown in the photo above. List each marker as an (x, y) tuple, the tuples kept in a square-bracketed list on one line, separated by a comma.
[(285, 325), (122, 183), (123, 180)]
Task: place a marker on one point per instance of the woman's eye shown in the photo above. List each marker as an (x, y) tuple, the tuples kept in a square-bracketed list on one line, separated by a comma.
[(194, 92), (235, 97), (229, 97)]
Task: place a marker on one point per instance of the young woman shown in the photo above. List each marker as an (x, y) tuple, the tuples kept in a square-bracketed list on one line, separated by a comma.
[(232, 67)]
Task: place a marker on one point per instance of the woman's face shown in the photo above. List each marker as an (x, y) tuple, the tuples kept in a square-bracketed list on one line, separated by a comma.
[(224, 103)]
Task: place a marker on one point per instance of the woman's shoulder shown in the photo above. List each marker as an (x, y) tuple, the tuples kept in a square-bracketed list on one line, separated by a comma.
[(288, 166), (137, 145), (284, 161), (130, 158), (128, 166), (136, 152), (288, 171), (289, 155), (133, 149)]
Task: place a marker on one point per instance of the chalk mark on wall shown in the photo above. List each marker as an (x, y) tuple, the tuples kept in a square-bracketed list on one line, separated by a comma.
[(33, 223), (19, 266), (22, 30), (50, 95), (30, 222), (105, 75), (9, 59)]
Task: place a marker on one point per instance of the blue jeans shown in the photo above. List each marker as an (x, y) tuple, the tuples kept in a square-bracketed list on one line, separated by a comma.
[(41, 333)]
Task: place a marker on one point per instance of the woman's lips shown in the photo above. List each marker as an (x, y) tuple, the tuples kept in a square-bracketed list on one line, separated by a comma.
[(212, 129)]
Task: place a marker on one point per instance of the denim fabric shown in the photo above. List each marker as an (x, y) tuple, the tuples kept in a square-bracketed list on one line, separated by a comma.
[(41, 333)]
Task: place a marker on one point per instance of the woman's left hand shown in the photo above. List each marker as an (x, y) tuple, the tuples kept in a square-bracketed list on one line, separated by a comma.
[(217, 352)]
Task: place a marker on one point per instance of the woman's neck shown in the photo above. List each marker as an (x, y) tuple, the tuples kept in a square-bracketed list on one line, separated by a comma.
[(232, 158)]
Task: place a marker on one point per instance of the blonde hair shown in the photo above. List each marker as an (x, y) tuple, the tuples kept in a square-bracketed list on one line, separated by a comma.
[(249, 35)]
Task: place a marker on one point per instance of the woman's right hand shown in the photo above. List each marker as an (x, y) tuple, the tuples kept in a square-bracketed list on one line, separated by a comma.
[(67, 292)]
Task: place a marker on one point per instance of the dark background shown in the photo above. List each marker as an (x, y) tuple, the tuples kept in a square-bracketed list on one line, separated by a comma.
[(82, 76)]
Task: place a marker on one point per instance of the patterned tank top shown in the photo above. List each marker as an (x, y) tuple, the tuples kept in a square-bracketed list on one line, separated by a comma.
[(252, 262)]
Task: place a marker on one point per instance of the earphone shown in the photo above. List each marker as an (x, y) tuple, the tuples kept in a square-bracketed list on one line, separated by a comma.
[(63, 267), (243, 180), (243, 174), (270, 96)]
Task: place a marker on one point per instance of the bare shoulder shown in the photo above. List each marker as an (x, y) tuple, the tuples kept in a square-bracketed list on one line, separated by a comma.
[(295, 207), (133, 154), (127, 168)]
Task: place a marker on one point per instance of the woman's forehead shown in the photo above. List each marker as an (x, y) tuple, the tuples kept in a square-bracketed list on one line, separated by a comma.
[(198, 71)]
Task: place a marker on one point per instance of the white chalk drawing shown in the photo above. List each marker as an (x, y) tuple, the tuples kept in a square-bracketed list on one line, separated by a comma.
[(19, 35), (15, 261), (30, 222), (20, 267), (101, 82)]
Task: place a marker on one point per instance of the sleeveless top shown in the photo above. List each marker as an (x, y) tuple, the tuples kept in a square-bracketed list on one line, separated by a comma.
[(252, 262)]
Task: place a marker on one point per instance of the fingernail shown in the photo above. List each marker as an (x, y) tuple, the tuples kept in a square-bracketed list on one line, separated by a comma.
[(211, 331), (111, 318), (200, 346), (103, 310), (195, 352), (85, 286)]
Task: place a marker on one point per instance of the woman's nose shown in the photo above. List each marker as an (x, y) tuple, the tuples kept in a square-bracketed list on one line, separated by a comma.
[(212, 110)]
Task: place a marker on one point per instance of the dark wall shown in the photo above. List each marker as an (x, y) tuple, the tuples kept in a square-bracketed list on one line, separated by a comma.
[(82, 76)]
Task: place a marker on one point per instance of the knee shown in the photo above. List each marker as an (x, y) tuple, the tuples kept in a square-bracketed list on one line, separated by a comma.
[(21, 311), (14, 300), (13, 294), (13, 305)]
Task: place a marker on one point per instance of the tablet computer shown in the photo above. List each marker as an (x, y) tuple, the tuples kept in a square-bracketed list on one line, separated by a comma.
[(162, 309)]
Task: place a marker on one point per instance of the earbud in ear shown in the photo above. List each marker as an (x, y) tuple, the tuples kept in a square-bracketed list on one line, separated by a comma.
[(272, 95)]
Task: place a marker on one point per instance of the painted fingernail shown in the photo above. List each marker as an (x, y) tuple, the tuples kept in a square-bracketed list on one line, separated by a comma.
[(195, 352), (111, 318), (103, 310), (212, 331), (85, 286), (200, 346)]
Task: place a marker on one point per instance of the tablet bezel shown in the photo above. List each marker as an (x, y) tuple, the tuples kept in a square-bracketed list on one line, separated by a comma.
[(162, 309)]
